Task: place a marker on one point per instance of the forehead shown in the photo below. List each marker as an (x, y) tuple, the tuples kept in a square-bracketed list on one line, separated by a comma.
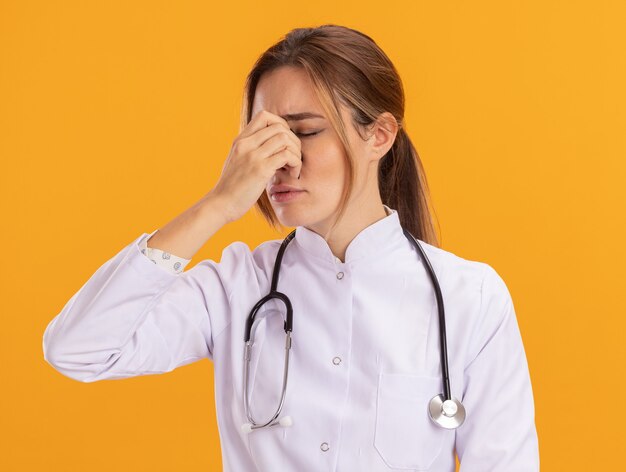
[(286, 90)]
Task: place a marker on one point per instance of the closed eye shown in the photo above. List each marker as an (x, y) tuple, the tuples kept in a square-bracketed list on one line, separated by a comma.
[(305, 135)]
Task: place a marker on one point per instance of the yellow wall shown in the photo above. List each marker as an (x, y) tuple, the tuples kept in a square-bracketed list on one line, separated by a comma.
[(117, 116)]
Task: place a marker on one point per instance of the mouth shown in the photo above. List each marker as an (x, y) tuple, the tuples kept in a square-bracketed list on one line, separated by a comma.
[(286, 196)]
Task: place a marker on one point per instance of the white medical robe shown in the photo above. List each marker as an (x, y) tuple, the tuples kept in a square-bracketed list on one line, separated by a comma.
[(364, 361)]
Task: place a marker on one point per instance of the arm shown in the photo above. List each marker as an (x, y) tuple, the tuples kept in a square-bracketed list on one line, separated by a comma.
[(189, 231), (499, 431), (134, 318)]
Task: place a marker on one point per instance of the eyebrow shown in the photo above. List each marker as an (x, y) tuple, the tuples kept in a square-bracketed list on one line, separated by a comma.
[(300, 116)]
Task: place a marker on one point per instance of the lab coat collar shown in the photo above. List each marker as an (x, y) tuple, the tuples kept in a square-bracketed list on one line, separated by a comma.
[(369, 242)]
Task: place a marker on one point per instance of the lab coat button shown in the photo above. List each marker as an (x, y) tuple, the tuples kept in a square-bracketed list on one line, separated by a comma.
[(340, 275), (336, 360), (324, 446)]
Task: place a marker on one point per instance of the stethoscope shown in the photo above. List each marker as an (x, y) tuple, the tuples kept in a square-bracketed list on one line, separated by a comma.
[(443, 409)]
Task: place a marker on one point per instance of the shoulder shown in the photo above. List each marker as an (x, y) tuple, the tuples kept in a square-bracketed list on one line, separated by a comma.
[(459, 272), (240, 254), (267, 248), (238, 258), (454, 267), (476, 291), (239, 266)]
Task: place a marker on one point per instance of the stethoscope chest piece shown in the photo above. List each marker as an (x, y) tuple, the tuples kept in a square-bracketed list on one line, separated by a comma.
[(448, 414)]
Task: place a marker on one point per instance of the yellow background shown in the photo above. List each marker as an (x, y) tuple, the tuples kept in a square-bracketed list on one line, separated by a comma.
[(117, 116)]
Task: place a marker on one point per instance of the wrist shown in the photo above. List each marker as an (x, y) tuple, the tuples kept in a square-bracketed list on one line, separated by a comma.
[(218, 206)]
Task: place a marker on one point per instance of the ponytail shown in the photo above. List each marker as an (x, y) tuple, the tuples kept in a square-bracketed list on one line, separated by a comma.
[(403, 187)]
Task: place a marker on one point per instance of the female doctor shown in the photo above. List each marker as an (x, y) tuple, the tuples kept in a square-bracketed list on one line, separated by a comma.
[(344, 370)]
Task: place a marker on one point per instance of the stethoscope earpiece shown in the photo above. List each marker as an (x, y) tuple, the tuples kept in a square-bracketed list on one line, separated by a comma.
[(449, 414)]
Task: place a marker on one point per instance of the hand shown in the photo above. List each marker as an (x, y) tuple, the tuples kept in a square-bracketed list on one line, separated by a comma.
[(265, 145)]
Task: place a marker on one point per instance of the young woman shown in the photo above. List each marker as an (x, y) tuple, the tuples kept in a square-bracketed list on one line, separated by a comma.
[(348, 363)]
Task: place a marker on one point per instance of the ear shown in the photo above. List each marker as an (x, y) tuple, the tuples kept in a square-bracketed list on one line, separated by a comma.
[(383, 134)]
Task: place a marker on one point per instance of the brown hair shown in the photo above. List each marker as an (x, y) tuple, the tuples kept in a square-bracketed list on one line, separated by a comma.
[(347, 66)]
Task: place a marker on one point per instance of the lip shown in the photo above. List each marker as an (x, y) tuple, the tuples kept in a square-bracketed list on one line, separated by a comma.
[(285, 197), (284, 188)]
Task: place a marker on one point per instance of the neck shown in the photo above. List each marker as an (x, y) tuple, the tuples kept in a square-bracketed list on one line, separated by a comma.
[(352, 223)]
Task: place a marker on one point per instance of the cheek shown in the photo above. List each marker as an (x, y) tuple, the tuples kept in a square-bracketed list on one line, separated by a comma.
[(323, 153), (325, 165)]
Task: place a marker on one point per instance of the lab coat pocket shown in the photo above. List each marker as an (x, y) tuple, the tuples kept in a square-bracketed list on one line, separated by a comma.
[(405, 436)]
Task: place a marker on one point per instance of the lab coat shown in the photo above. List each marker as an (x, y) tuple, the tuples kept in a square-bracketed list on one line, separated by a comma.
[(364, 362)]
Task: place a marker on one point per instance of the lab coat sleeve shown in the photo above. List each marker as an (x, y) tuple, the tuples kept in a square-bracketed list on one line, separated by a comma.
[(133, 317), (170, 262), (499, 431)]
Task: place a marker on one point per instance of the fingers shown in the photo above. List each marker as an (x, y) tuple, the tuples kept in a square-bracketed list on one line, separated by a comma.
[(275, 129), (277, 143), (262, 120), (263, 126), (268, 136), (283, 158)]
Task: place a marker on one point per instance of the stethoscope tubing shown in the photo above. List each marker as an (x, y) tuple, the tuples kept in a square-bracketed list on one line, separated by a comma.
[(442, 318), (444, 410)]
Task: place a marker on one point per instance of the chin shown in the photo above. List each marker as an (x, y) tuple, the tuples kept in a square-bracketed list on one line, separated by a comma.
[(291, 216)]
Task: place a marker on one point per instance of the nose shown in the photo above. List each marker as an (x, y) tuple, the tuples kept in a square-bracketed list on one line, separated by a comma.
[(301, 165), (286, 167)]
